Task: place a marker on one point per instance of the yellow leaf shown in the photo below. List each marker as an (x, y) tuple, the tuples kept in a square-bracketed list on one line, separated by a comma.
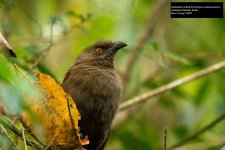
[(57, 114)]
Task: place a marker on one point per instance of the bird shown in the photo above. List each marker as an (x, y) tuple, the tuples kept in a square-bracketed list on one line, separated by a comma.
[(96, 89)]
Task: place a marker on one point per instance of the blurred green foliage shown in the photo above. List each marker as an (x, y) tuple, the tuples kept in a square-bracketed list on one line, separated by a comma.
[(176, 47)]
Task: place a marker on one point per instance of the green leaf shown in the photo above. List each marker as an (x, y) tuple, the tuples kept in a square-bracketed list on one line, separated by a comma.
[(7, 124), (11, 99), (177, 58)]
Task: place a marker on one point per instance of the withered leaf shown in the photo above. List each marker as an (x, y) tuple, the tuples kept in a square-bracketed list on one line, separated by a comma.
[(57, 115)]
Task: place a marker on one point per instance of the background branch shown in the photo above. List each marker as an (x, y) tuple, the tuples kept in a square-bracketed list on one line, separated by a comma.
[(4, 131), (165, 138), (198, 133), (7, 124), (128, 107), (143, 97), (143, 36), (24, 139), (223, 148)]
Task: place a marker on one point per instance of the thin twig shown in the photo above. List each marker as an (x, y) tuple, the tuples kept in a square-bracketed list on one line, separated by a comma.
[(24, 139), (3, 130), (51, 143), (71, 118), (165, 138), (30, 132), (6, 123), (143, 36), (32, 84), (27, 78), (143, 97), (198, 133), (23, 74)]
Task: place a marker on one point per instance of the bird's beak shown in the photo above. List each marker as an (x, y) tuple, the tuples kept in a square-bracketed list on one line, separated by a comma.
[(118, 45), (115, 47)]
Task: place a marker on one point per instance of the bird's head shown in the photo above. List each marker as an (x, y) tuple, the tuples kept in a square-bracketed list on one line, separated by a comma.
[(100, 51)]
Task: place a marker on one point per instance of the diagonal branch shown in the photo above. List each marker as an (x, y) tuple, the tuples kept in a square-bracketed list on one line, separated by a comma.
[(144, 97), (223, 148), (4, 131), (143, 36), (7, 124), (24, 138), (198, 133)]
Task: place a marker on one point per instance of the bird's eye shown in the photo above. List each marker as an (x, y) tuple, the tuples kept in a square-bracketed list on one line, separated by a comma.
[(98, 49)]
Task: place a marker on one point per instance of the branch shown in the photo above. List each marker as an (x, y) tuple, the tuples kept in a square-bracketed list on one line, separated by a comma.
[(24, 139), (198, 133), (144, 34), (4, 131), (4, 45), (223, 148), (6, 123), (165, 138), (143, 97)]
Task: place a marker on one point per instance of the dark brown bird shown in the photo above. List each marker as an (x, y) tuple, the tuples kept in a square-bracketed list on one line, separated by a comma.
[(96, 88)]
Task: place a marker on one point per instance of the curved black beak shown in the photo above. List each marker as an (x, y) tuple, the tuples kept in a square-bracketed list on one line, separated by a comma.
[(118, 45), (115, 47)]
